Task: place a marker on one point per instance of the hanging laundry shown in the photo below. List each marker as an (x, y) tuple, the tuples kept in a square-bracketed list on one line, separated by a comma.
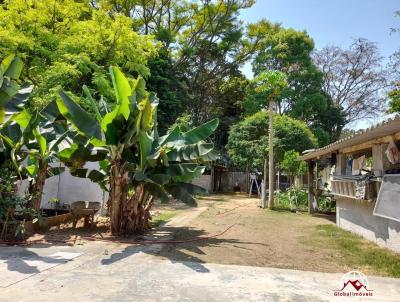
[(392, 152), (358, 165)]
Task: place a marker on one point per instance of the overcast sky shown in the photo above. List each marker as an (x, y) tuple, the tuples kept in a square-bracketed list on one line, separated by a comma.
[(334, 22)]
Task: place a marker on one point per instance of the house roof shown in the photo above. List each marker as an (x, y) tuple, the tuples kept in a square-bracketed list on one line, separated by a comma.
[(385, 128)]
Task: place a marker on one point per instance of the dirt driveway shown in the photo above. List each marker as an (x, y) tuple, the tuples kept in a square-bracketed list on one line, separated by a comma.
[(243, 234), (192, 270), (253, 237)]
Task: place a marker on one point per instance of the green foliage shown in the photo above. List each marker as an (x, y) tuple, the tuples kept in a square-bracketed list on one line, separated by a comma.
[(128, 137), (248, 139), (296, 198), (288, 51), (394, 104), (10, 70), (323, 136), (329, 124), (170, 88), (9, 203), (12, 96), (70, 43), (355, 251), (271, 83), (292, 164), (183, 122), (293, 198)]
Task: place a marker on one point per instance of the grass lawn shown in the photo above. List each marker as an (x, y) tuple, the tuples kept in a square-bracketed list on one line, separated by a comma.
[(354, 251), (162, 218)]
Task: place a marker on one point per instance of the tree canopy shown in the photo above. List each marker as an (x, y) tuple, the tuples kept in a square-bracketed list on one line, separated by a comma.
[(248, 139), (68, 43), (354, 78)]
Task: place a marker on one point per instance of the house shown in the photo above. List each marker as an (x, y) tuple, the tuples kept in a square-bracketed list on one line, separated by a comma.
[(364, 178)]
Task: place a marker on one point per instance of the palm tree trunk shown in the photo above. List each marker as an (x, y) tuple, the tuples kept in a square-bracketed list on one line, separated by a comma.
[(271, 156)]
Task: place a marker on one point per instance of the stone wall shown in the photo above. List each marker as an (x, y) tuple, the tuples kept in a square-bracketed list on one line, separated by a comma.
[(356, 216)]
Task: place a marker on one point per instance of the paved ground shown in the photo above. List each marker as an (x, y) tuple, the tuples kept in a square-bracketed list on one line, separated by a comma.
[(122, 272)]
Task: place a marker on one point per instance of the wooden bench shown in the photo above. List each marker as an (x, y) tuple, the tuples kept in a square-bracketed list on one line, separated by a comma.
[(83, 209)]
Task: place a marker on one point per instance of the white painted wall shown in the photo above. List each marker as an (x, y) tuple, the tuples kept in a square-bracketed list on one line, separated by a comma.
[(356, 216), (68, 189)]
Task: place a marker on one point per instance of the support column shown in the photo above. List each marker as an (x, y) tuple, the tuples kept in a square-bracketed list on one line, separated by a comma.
[(341, 164), (310, 182), (380, 161)]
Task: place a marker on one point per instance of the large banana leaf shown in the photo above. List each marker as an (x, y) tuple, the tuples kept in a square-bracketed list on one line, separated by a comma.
[(82, 121), (12, 97), (201, 132), (10, 70), (184, 192), (123, 92)]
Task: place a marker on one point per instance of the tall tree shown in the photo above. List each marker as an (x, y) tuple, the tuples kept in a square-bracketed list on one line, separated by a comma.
[(272, 83), (68, 43), (170, 87), (289, 51), (354, 78), (206, 44)]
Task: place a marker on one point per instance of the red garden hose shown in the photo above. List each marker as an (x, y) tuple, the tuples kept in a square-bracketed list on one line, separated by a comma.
[(29, 242)]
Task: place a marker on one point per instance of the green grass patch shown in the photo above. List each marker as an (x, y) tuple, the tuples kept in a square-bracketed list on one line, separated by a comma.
[(355, 251), (162, 218)]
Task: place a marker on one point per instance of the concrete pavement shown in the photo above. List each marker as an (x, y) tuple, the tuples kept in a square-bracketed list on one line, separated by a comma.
[(105, 271), (121, 272)]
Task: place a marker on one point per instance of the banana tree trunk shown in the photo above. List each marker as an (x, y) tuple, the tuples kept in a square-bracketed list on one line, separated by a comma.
[(129, 215), (118, 194), (136, 212), (38, 186)]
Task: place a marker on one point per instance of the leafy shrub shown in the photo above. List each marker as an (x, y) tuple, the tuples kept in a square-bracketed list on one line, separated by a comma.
[(296, 198), (9, 203)]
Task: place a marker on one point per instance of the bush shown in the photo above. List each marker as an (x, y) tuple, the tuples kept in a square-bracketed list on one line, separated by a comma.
[(296, 198), (10, 202), (293, 198)]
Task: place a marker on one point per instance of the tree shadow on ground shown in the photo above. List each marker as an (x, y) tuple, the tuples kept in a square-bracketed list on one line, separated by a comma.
[(178, 245), (24, 261), (330, 217)]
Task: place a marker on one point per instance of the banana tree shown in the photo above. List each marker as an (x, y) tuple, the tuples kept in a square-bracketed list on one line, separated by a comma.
[(34, 141), (12, 95), (139, 164)]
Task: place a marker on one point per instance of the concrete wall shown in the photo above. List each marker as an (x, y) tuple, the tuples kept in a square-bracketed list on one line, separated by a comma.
[(68, 189), (356, 216)]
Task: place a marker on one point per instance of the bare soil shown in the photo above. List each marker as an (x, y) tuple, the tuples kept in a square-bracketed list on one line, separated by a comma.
[(65, 233), (232, 229), (255, 237)]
